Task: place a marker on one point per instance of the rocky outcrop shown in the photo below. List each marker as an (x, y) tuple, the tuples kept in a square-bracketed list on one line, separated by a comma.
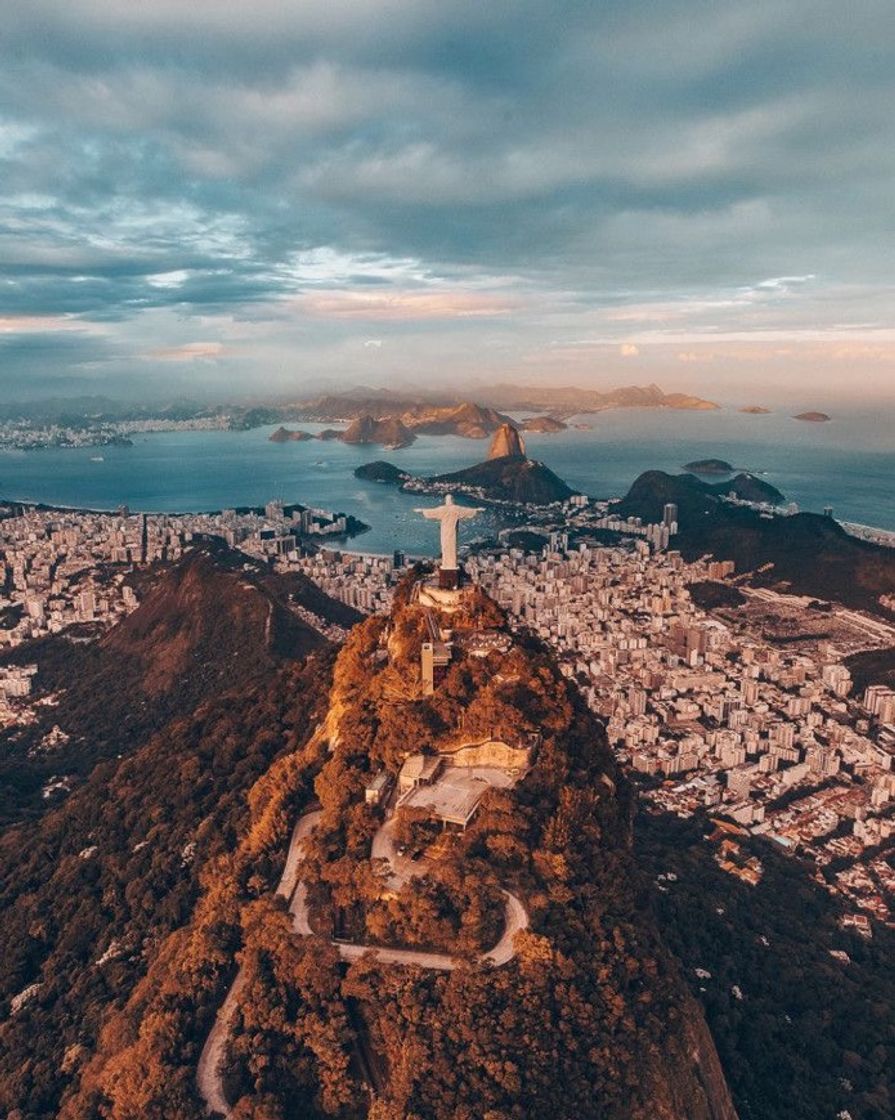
[(285, 435), (389, 431), (700, 1092), (507, 443), (473, 421)]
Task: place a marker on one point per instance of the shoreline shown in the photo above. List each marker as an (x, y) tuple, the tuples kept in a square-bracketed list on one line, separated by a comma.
[(240, 511), (853, 528)]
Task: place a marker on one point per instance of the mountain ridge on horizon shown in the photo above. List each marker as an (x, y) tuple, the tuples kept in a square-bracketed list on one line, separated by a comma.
[(99, 407)]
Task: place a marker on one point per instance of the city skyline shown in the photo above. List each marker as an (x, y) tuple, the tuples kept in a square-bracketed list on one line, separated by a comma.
[(212, 200)]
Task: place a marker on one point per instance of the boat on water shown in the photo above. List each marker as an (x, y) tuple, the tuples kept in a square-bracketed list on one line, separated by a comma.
[(97, 459)]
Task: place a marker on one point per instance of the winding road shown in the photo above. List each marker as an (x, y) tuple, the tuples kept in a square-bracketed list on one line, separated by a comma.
[(208, 1076)]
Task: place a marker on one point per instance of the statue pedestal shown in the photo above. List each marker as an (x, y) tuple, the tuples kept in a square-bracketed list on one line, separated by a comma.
[(447, 599), (448, 579)]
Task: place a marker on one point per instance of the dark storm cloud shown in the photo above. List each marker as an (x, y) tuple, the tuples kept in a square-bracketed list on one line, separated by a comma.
[(197, 156)]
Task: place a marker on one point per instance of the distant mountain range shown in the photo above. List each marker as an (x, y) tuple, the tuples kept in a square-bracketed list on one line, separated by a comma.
[(394, 420), (474, 415), (569, 400), (451, 415)]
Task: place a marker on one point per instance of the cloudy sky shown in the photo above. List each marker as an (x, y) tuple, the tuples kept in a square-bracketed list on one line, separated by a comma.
[(211, 196)]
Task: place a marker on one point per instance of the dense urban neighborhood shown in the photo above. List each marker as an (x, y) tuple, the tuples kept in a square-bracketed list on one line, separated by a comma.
[(742, 708)]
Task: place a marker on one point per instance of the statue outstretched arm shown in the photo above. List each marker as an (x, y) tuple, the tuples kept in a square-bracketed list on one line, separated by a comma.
[(433, 514)]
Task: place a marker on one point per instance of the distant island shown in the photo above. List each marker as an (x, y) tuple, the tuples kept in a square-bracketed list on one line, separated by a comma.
[(543, 424), (709, 466), (389, 431), (381, 471), (813, 417), (284, 435), (755, 410)]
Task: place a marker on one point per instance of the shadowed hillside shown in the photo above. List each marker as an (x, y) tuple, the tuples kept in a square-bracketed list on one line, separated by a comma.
[(810, 553), (203, 626), (693, 496), (802, 1033), (512, 478)]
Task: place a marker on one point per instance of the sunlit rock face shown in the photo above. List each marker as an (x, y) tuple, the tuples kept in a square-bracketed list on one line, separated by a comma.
[(507, 442)]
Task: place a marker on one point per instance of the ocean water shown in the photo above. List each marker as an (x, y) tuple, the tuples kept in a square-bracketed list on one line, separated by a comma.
[(848, 463)]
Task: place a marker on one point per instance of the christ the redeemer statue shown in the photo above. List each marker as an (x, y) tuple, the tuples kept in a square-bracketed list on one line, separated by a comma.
[(450, 515)]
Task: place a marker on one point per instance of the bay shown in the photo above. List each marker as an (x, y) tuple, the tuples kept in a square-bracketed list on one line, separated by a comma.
[(848, 463)]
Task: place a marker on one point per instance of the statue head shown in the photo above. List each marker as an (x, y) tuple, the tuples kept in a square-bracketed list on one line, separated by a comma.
[(449, 499)]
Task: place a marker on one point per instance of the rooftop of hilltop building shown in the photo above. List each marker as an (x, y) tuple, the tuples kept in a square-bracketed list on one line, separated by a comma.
[(454, 796)]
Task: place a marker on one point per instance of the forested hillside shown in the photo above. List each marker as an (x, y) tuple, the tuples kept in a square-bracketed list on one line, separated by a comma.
[(143, 893), (590, 1018), (174, 717)]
